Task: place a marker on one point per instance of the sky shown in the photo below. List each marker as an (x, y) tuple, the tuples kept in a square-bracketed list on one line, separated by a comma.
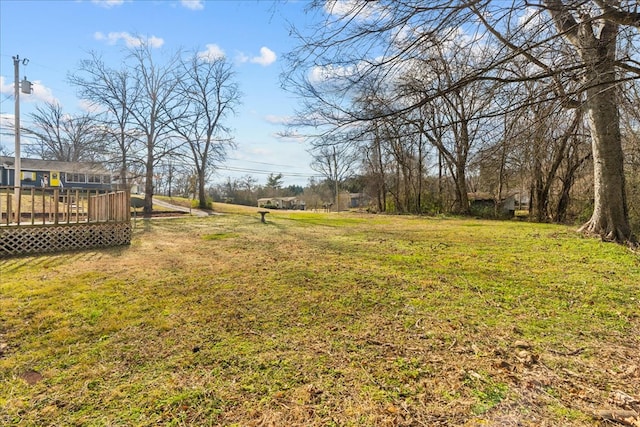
[(253, 35)]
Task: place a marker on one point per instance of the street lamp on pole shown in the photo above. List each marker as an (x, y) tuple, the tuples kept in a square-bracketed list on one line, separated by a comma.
[(26, 88)]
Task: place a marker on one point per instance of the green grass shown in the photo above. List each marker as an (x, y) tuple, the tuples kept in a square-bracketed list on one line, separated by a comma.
[(322, 319)]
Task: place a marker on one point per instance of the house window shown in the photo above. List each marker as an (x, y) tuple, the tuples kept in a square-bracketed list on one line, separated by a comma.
[(94, 179), (76, 177), (27, 176), (106, 179)]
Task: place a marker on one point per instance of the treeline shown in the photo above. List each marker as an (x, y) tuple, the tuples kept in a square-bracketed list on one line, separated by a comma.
[(437, 100)]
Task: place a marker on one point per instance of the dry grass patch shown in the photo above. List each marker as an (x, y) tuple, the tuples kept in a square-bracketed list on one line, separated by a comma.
[(322, 319)]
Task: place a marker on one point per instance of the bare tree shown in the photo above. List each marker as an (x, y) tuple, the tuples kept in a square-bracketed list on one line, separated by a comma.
[(60, 136), (211, 95), (335, 162), (111, 92), (156, 99)]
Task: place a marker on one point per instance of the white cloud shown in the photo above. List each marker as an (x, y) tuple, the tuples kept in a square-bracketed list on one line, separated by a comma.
[(193, 4), (321, 74), (107, 3), (353, 9), (278, 120), (130, 40), (339, 7), (39, 92), (212, 53), (267, 57), (90, 106), (531, 20)]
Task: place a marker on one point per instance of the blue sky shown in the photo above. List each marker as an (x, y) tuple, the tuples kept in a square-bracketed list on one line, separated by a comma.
[(254, 35)]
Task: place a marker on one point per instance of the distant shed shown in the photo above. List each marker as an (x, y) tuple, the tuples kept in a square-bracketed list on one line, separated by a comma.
[(487, 203)]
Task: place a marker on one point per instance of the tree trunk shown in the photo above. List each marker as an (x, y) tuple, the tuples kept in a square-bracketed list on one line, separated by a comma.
[(463, 144), (380, 178), (610, 218), (563, 202), (148, 182), (597, 48), (420, 177), (124, 179), (148, 191), (540, 199), (462, 198), (202, 197)]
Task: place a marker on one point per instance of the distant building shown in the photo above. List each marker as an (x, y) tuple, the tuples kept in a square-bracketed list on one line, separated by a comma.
[(358, 200), (486, 203), (293, 203), (53, 173)]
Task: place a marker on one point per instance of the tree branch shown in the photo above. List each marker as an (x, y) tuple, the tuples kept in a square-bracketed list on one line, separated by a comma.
[(613, 13)]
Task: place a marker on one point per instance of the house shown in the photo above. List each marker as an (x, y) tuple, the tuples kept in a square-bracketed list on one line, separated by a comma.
[(293, 203), (53, 173)]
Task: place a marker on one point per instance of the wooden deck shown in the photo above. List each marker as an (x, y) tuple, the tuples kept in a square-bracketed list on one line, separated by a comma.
[(45, 220)]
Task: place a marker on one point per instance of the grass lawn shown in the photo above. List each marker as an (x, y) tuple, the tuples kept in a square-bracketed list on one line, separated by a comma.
[(322, 320)]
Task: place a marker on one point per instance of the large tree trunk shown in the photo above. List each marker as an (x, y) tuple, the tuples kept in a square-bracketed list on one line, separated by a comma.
[(610, 217), (462, 149), (202, 195), (597, 50), (381, 185), (461, 204)]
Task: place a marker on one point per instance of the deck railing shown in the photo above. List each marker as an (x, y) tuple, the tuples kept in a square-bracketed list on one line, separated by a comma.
[(52, 205), (44, 220)]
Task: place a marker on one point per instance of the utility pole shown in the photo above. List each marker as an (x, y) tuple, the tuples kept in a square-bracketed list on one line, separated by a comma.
[(26, 88)]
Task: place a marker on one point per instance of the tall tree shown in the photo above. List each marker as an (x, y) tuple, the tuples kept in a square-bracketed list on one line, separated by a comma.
[(211, 94), (593, 30), (156, 99), (111, 92)]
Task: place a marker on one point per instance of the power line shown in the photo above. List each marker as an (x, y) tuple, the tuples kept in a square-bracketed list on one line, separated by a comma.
[(266, 172), (260, 163)]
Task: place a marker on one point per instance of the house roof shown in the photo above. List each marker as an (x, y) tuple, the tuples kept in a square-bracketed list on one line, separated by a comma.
[(54, 165)]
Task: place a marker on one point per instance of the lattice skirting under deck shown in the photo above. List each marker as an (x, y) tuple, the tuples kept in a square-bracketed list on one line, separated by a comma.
[(25, 240)]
